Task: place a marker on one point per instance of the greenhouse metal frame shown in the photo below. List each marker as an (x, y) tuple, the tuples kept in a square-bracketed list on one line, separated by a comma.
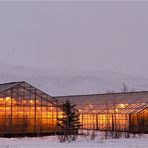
[(25, 110), (124, 112), (28, 111)]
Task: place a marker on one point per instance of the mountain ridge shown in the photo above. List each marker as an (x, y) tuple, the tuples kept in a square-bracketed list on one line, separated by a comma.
[(72, 82)]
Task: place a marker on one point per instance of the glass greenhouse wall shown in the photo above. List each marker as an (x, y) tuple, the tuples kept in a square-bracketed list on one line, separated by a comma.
[(27, 110), (104, 122), (125, 112), (139, 121)]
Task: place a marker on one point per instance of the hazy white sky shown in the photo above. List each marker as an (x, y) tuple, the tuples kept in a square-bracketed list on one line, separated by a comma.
[(76, 35)]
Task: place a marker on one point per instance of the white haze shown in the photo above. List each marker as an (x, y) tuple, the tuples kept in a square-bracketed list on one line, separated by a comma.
[(71, 82)]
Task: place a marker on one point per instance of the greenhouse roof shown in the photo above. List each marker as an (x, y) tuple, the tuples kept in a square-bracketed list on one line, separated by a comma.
[(6, 86), (125, 102)]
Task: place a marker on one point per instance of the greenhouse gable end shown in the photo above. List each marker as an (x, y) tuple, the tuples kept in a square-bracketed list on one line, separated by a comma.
[(25, 110)]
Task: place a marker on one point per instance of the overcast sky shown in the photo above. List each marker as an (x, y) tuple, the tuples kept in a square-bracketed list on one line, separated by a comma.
[(76, 35)]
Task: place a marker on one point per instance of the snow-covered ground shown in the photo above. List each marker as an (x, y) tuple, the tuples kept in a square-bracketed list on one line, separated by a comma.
[(82, 142)]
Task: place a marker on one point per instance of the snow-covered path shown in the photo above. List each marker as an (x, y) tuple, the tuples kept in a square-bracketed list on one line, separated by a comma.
[(52, 142)]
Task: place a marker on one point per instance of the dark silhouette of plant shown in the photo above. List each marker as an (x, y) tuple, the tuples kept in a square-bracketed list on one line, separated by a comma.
[(69, 124)]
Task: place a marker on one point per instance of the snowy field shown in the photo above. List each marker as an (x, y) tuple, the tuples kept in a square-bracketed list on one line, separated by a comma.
[(82, 142)]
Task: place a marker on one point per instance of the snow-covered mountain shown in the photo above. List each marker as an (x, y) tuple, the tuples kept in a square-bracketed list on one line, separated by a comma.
[(70, 82)]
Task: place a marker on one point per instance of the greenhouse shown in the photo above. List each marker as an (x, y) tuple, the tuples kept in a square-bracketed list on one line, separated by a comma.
[(25, 110), (125, 112)]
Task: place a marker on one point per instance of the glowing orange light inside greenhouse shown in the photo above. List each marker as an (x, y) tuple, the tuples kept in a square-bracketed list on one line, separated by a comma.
[(24, 101), (1, 99), (31, 101), (122, 105), (7, 108), (51, 108), (116, 110), (8, 98)]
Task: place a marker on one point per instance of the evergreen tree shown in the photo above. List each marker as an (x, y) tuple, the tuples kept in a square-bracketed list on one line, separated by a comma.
[(69, 124)]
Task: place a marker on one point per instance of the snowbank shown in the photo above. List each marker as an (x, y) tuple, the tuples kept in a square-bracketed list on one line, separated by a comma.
[(82, 142)]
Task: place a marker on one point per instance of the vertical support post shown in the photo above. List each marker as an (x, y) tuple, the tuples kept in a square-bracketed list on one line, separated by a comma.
[(5, 117), (82, 121), (35, 112), (112, 122), (52, 112), (128, 126), (41, 113), (57, 114), (97, 122), (11, 112)]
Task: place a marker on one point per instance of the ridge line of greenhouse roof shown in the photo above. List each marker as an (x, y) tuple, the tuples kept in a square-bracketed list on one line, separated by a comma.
[(102, 94), (110, 93), (6, 86), (12, 82)]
